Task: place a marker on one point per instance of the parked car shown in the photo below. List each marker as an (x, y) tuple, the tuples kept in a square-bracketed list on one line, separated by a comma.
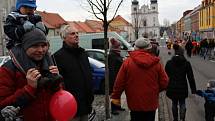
[(97, 54), (4, 59), (98, 72), (92, 41)]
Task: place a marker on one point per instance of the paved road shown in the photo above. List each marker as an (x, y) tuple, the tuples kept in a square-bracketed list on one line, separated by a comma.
[(204, 70)]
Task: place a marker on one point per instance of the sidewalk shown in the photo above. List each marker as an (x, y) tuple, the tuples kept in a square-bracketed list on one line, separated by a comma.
[(124, 115)]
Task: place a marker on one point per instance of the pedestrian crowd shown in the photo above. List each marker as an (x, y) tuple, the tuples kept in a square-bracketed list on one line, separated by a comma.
[(30, 79)]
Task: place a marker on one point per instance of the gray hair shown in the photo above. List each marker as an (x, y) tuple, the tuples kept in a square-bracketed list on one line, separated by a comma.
[(64, 31)]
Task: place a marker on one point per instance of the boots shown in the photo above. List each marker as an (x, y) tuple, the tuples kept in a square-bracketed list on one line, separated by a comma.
[(182, 113)]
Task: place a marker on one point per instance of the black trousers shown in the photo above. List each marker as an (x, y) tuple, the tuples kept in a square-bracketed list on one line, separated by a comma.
[(209, 111), (142, 115)]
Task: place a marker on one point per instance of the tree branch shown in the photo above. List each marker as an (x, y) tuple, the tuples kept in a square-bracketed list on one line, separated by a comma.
[(109, 2), (115, 11), (93, 4), (100, 4)]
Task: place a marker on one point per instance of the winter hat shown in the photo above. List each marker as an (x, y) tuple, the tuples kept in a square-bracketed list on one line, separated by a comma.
[(33, 37), (115, 44), (178, 49), (29, 3), (143, 43)]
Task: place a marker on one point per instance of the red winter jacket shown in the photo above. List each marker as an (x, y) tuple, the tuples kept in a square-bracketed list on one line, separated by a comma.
[(142, 77), (14, 91)]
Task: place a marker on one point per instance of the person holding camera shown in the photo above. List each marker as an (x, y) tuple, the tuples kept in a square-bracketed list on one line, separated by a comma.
[(17, 24), (29, 94)]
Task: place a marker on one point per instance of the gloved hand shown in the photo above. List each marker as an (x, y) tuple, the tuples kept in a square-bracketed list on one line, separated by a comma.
[(40, 25), (116, 106), (28, 26), (9, 112)]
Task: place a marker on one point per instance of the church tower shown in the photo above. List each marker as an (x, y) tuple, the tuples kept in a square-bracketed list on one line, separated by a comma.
[(145, 19), (134, 11), (154, 5)]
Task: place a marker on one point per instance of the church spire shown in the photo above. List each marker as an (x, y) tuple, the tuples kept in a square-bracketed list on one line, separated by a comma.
[(154, 1), (135, 2)]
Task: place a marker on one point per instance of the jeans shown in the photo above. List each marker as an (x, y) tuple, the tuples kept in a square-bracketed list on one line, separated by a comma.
[(142, 115), (182, 109)]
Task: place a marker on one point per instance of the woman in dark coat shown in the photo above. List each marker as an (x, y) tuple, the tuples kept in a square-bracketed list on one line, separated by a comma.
[(114, 63), (179, 70)]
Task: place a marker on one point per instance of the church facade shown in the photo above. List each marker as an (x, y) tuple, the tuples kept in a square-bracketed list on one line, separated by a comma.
[(145, 20)]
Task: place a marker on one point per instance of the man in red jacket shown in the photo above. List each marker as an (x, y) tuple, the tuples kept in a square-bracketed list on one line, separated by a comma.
[(142, 77), (30, 93)]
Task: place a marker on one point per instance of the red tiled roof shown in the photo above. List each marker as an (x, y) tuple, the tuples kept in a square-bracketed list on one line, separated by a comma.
[(81, 26), (52, 19), (121, 19)]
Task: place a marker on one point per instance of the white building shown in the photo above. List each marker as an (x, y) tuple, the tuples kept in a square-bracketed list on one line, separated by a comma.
[(145, 19)]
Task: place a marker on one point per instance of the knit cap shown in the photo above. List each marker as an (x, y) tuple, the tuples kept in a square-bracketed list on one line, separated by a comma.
[(29, 3), (33, 37), (115, 44), (143, 43)]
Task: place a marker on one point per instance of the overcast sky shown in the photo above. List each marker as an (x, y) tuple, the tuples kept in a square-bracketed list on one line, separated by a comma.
[(76, 10)]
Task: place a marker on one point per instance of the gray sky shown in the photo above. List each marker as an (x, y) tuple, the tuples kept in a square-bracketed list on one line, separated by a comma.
[(76, 10)]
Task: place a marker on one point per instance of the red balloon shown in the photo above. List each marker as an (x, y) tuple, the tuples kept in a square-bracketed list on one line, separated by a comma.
[(63, 106)]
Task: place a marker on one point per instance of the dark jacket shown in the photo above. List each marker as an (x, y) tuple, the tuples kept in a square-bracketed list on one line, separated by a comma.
[(114, 64), (142, 77), (74, 66), (14, 91), (13, 26), (179, 70)]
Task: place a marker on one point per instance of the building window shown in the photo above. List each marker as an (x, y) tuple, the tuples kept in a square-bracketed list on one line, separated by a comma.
[(144, 23), (153, 8), (135, 9)]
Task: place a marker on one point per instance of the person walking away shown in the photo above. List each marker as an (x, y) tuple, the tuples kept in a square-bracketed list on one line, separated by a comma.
[(209, 95), (204, 48), (211, 46), (114, 63), (29, 93), (179, 70), (74, 66), (142, 77), (189, 47)]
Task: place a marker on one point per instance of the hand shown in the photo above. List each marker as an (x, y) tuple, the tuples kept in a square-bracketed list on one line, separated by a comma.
[(28, 26), (9, 112), (40, 25), (32, 77), (53, 69)]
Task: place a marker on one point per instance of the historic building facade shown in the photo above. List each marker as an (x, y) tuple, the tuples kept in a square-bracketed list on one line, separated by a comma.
[(207, 19), (145, 19)]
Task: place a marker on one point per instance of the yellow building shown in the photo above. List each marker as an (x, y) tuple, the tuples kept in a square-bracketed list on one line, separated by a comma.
[(207, 19)]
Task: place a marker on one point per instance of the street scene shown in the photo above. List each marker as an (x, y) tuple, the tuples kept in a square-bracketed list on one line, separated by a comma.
[(107, 60)]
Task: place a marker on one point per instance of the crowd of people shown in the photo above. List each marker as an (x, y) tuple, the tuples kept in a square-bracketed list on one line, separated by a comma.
[(30, 79)]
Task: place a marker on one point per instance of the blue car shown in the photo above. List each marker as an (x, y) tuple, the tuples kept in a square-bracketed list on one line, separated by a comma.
[(98, 72)]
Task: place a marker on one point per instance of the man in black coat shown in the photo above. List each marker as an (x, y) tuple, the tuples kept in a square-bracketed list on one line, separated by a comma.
[(74, 66), (179, 70)]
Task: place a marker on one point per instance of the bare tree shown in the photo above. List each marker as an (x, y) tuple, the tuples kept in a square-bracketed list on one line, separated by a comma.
[(100, 8), (166, 23)]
